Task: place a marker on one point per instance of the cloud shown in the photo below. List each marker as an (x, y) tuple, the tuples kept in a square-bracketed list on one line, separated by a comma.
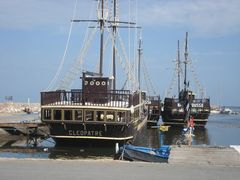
[(25, 14), (203, 17), (213, 17)]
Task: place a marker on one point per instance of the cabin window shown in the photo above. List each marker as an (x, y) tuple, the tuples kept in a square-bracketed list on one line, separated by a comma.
[(57, 114), (121, 116), (110, 116), (47, 113), (68, 115), (100, 115), (89, 115), (78, 115)]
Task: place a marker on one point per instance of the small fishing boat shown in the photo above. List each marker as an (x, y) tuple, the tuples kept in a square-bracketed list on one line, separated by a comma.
[(139, 153)]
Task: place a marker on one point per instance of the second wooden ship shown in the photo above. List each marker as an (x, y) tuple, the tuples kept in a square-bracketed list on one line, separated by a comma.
[(177, 110)]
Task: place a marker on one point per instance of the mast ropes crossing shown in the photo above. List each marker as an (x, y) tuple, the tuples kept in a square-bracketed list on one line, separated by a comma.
[(108, 20)]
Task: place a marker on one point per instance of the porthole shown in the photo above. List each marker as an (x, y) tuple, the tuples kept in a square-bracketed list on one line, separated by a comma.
[(97, 83)]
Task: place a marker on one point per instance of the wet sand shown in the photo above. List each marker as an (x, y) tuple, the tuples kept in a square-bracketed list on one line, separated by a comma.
[(25, 169)]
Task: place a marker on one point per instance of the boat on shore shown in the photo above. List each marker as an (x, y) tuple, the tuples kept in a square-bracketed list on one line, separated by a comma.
[(98, 113), (176, 111), (146, 154)]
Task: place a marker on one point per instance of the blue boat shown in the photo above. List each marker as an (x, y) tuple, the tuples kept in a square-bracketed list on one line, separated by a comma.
[(138, 153)]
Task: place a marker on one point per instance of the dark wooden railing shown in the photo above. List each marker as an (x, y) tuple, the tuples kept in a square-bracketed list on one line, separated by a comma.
[(173, 102), (112, 98)]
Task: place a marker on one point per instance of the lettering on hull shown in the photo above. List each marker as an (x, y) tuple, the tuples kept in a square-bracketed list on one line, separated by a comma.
[(84, 133)]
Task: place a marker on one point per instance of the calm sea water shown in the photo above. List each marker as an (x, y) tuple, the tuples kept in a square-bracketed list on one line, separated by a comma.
[(221, 130)]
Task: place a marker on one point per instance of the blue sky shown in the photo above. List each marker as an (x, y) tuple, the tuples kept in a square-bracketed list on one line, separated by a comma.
[(33, 35)]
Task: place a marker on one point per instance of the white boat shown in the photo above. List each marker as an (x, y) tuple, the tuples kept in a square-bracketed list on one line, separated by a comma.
[(225, 110)]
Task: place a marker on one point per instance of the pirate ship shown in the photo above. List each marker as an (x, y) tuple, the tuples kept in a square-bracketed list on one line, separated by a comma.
[(98, 113), (176, 111)]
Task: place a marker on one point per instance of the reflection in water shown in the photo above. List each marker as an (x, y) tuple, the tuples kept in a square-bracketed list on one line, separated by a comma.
[(175, 135), (148, 138), (80, 153), (23, 147)]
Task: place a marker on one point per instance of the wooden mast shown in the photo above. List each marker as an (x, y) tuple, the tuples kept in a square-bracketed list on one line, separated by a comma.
[(139, 62), (178, 68), (101, 21), (114, 42), (185, 62)]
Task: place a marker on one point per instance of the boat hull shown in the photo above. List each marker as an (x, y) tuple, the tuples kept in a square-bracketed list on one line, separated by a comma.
[(178, 119), (95, 134), (134, 153), (174, 113)]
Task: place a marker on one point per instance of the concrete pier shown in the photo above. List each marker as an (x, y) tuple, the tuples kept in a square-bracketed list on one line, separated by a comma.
[(205, 155), (25, 169)]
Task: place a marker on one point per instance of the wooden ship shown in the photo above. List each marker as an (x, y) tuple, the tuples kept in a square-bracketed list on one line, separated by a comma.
[(98, 113), (176, 111)]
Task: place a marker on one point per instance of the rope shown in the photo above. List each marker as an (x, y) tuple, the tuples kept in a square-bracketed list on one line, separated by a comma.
[(148, 77), (56, 76), (74, 70), (196, 80), (126, 65), (173, 81), (67, 80), (129, 72)]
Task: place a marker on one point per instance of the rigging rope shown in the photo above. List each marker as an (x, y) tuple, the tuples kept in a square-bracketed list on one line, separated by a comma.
[(104, 49), (56, 76), (129, 72), (148, 78), (67, 80), (196, 80), (126, 65), (173, 81)]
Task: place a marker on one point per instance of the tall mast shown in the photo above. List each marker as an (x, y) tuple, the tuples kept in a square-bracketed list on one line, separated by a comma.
[(114, 42), (178, 68), (101, 21), (139, 62), (185, 62)]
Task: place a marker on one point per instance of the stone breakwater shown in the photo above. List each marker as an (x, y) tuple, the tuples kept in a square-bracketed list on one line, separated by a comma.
[(12, 107)]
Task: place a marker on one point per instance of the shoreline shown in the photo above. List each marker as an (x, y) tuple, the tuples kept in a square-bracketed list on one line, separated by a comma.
[(12, 108), (191, 155)]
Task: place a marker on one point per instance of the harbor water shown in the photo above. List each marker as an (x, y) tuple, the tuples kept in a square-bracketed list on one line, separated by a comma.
[(221, 130)]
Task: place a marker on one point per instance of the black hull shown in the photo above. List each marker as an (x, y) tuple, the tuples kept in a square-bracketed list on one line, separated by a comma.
[(178, 119), (174, 112), (81, 134), (76, 142)]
